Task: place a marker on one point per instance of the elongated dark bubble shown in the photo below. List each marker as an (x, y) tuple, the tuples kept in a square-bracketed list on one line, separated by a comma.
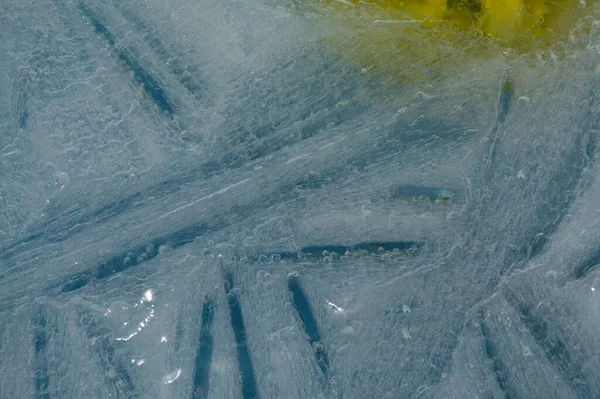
[(302, 307), (77, 281), (507, 91), (505, 96), (535, 318), (186, 75), (134, 257), (23, 114), (333, 253), (147, 82), (239, 331), (40, 341), (20, 97), (321, 250), (587, 266), (204, 351), (385, 246), (429, 193), (368, 248), (491, 350), (98, 25)]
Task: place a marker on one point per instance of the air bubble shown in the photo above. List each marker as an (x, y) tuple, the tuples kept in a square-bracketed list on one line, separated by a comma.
[(263, 259), (163, 248), (318, 348), (421, 96), (264, 278)]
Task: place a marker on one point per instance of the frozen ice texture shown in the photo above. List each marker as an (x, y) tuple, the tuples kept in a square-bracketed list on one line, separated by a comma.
[(207, 199)]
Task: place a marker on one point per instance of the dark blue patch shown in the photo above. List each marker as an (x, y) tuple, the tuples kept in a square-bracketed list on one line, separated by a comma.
[(98, 25), (185, 75), (178, 335), (204, 351), (309, 323), (22, 116), (272, 257), (134, 257), (19, 245), (499, 369), (22, 113), (115, 208), (388, 246), (239, 331), (538, 244), (146, 81), (187, 235), (40, 342), (76, 282), (583, 269), (320, 251), (410, 191), (507, 91), (150, 250), (535, 318)]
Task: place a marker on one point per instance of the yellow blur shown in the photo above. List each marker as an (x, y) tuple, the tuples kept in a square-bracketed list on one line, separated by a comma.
[(515, 22), (421, 41)]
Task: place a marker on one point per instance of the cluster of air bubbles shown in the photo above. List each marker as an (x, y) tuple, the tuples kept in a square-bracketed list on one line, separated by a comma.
[(145, 300)]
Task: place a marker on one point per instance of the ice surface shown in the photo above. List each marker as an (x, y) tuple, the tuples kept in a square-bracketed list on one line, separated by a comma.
[(207, 199)]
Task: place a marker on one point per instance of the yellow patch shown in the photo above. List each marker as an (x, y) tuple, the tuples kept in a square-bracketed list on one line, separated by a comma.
[(516, 22), (422, 42)]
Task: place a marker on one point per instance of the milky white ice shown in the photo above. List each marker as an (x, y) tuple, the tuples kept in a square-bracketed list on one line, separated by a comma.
[(206, 199)]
